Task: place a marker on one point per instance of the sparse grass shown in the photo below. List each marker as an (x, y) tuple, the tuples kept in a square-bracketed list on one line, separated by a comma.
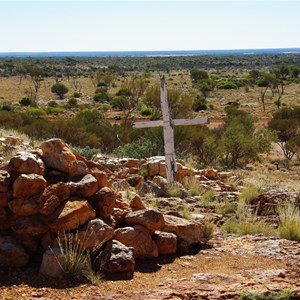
[(289, 216), (226, 208), (248, 223), (208, 197), (186, 214), (249, 193), (208, 230), (281, 295), (175, 190), (192, 185)]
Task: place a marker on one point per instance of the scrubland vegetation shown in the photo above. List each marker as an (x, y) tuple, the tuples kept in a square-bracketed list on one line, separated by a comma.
[(92, 102)]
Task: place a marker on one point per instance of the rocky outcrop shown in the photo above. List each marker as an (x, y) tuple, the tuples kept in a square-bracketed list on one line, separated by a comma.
[(50, 196)]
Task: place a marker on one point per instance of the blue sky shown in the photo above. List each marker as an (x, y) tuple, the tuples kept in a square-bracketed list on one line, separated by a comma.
[(98, 25)]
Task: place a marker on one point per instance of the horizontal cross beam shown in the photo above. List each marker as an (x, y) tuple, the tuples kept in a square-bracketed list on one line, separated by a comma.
[(159, 123)]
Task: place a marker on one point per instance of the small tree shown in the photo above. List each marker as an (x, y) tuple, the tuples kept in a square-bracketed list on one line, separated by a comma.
[(59, 89), (205, 86), (198, 75), (286, 122)]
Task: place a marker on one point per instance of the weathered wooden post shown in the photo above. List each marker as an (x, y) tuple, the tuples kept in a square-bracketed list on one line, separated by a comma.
[(168, 125)]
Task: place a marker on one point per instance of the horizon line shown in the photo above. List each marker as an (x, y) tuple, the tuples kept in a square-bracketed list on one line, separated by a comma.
[(158, 50)]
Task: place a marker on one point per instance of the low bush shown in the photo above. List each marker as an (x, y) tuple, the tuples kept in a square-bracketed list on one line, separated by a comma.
[(226, 85), (25, 101), (35, 112)]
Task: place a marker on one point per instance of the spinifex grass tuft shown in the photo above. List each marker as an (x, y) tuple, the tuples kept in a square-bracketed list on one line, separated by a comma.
[(289, 217)]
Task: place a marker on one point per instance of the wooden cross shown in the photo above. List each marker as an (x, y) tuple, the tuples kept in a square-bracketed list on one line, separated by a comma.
[(168, 125)]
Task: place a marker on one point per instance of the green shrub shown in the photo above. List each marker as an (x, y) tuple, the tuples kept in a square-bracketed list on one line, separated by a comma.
[(77, 95), (7, 107), (200, 103), (52, 103), (146, 111), (101, 97), (54, 110), (25, 101), (86, 152), (226, 85), (139, 149), (35, 112), (72, 102)]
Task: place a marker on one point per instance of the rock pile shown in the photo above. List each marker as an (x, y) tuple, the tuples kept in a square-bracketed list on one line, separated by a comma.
[(50, 191)]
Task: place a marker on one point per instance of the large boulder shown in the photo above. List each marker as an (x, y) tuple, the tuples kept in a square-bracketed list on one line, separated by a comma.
[(149, 218), (86, 187), (25, 206), (57, 155), (190, 232), (31, 226), (26, 163), (166, 242), (71, 214), (28, 185), (5, 181), (103, 202), (12, 254), (139, 238), (52, 196), (117, 258)]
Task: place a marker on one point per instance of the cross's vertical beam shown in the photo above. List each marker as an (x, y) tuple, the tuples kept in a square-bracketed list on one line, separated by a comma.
[(168, 133)]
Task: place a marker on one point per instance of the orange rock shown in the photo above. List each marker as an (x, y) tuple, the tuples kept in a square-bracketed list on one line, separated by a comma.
[(57, 155), (26, 163), (86, 187), (139, 238), (100, 176), (166, 242), (103, 202), (149, 218), (27, 185), (25, 206), (52, 196), (136, 203), (71, 214)]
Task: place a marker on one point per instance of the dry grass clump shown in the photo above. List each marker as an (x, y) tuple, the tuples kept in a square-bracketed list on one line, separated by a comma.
[(289, 217), (74, 259), (249, 193), (247, 222), (192, 185)]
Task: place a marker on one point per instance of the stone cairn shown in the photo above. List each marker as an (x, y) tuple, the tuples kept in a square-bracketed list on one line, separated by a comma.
[(51, 190)]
